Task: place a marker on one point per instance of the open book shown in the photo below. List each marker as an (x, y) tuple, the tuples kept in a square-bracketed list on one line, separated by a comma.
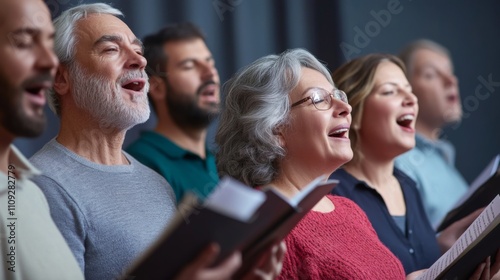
[(480, 240), (236, 217), (484, 188)]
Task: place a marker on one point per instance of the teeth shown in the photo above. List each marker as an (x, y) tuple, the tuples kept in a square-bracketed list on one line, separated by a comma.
[(406, 118), (338, 131)]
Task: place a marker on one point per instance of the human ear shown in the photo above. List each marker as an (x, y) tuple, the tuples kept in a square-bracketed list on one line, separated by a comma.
[(157, 88), (279, 133), (61, 81)]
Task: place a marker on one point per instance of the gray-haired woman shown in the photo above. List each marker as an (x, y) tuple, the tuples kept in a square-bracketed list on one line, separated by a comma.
[(284, 123)]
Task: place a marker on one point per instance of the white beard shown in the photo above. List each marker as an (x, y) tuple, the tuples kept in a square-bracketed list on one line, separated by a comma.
[(104, 101)]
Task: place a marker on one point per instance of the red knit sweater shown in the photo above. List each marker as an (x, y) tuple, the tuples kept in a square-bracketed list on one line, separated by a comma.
[(341, 244)]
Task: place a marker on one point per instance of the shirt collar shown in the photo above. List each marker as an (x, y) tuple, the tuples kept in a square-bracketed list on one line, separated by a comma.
[(444, 147), (23, 168), (168, 147), (351, 182)]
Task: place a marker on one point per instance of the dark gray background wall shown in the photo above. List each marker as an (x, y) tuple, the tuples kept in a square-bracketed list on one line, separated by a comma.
[(239, 31)]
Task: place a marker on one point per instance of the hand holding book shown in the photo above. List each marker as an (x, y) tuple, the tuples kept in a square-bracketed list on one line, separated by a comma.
[(236, 218), (199, 268), (484, 188), (477, 243)]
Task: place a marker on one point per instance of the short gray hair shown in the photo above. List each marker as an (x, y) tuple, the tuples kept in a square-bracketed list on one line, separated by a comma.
[(409, 50), (65, 39), (256, 105)]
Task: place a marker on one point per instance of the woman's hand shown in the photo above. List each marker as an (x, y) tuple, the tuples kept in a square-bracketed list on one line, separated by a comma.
[(450, 235), (269, 265)]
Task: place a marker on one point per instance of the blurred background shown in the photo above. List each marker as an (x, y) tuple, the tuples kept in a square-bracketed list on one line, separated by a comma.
[(240, 31)]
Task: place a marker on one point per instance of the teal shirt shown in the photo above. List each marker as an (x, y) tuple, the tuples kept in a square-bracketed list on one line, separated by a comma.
[(431, 165), (183, 170)]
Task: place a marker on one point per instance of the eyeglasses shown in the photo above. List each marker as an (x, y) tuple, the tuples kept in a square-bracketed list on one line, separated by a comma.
[(322, 99)]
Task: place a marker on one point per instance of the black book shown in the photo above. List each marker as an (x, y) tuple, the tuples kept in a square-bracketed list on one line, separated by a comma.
[(481, 192), (480, 240), (236, 217)]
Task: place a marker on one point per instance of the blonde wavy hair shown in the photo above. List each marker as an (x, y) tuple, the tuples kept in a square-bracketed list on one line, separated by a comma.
[(356, 79)]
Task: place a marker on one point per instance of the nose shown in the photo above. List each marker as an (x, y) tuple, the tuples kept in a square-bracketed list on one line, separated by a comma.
[(208, 71), (450, 79), (47, 59), (410, 99), (340, 108), (136, 60)]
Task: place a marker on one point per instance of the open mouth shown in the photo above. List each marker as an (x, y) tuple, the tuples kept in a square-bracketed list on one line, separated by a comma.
[(36, 93), (208, 89), (208, 92), (35, 90), (452, 98), (134, 85), (339, 133), (405, 120)]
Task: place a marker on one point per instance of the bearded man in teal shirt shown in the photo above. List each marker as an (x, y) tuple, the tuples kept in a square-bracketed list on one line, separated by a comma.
[(185, 93)]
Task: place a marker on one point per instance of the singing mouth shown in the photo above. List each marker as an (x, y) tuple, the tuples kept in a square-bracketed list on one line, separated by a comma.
[(405, 120), (135, 85), (341, 132)]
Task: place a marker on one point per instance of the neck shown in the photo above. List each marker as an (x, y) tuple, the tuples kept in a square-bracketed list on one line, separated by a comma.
[(428, 131), (191, 139), (85, 138), (5, 140), (378, 174), (292, 180), (294, 177), (375, 172)]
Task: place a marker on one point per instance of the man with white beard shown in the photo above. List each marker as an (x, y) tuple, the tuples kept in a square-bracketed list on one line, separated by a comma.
[(107, 205)]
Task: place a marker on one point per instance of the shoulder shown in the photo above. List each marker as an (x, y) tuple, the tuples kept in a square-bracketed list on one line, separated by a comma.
[(346, 184), (345, 206), (155, 150), (343, 202), (140, 143), (47, 152), (152, 177)]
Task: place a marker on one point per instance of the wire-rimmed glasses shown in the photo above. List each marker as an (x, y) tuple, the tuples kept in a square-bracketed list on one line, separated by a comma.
[(322, 99)]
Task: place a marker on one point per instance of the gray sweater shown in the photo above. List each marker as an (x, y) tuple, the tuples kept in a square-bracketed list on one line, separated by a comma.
[(108, 215)]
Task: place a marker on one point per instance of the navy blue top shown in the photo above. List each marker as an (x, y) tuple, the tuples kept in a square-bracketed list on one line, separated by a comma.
[(417, 247)]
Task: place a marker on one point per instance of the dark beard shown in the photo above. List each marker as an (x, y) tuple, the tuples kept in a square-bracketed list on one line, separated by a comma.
[(12, 116), (184, 109)]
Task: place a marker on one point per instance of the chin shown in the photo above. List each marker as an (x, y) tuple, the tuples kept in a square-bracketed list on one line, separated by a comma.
[(403, 148), (453, 116), (343, 159)]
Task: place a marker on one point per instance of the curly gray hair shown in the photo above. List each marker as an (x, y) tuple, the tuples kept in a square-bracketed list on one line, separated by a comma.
[(256, 105), (65, 39)]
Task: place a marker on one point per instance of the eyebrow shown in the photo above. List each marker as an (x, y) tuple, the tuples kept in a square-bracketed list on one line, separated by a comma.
[(191, 59), (392, 84), (435, 67), (29, 31), (26, 30), (117, 39), (310, 88)]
